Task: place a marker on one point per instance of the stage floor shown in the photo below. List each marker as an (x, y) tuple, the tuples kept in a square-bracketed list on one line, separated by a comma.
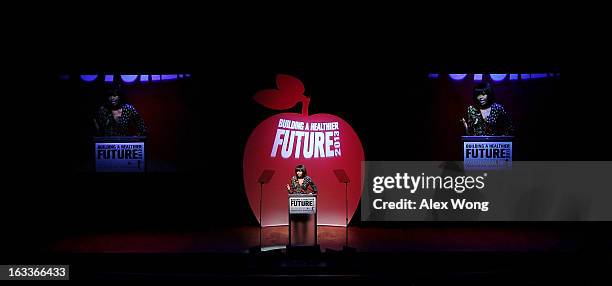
[(363, 239), (417, 255)]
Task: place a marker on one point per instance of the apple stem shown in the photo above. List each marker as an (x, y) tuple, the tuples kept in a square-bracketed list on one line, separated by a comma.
[(305, 102)]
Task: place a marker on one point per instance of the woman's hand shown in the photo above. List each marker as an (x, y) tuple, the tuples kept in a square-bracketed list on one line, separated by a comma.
[(464, 124), (288, 188)]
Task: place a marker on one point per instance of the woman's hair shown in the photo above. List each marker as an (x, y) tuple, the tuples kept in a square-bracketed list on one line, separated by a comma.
[(300, 168), (113, 88), (485, 88)]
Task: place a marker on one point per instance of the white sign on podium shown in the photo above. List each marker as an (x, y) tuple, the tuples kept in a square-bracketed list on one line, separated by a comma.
[(306, 204)]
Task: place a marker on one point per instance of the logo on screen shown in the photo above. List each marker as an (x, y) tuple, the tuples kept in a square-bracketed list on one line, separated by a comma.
[(322, 142)]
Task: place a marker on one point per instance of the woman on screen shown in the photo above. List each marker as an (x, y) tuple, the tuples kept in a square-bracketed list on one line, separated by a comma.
[(301, 183), (486, 117), (116, 118)]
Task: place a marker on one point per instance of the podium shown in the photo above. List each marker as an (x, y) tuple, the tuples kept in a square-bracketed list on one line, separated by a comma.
[(300, 207), (120, 154), (487, 152)]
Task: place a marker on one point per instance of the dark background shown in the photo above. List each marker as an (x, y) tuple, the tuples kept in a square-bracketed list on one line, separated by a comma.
[(356, 51), (379, 86)]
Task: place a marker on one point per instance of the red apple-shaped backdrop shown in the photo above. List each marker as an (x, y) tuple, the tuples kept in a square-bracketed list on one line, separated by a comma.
[(321, 142)]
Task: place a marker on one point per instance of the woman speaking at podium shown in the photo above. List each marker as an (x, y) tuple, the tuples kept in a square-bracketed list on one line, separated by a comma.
[(301, 183), (116, 118), (486, 117)]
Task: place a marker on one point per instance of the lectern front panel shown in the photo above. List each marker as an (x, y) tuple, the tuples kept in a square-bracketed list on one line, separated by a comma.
[(487, 152), (302, 204), (120, 157)]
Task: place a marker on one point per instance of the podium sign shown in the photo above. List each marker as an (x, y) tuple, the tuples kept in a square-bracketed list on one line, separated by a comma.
[(487, 152), (120, 154), (305, 204)]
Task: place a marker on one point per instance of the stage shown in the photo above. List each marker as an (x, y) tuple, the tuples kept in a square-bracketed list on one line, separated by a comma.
[(420, 255), (363, 239)]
